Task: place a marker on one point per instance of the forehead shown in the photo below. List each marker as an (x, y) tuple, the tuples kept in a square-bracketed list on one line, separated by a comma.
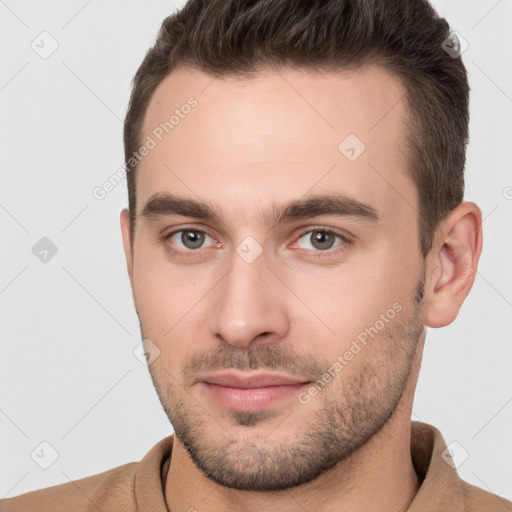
[(277, 136)]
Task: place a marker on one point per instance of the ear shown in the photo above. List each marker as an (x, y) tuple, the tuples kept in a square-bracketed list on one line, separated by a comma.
[(454, 259), (128, 249)]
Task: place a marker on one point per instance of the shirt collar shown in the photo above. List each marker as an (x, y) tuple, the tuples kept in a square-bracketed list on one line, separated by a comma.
[(441, 487)]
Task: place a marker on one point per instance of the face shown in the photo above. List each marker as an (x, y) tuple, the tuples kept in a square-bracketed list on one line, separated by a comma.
[(276, 267)]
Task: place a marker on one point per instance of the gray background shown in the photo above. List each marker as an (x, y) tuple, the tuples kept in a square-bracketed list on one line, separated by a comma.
[(68, 375)]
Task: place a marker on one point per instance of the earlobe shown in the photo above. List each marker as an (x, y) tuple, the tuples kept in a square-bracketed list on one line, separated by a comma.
[(128, 250), (457, 251)]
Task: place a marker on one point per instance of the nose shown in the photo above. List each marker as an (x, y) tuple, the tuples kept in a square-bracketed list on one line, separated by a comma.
[(250, 305)]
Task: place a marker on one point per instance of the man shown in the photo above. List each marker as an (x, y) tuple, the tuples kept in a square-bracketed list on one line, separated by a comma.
[(296, 220)]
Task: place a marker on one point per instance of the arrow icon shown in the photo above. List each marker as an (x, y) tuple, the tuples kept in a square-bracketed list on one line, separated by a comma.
[(351, 147), (44, 250), (44, 455), (249, 249)]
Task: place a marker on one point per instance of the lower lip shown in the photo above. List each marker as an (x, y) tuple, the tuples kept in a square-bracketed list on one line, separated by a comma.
[(251, 399)]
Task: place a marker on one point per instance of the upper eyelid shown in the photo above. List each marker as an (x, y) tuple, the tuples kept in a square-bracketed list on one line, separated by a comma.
[(345, 240), (189, 228), (328, 230)]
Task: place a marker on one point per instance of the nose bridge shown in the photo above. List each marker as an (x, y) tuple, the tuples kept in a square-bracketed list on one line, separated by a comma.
[(247, 302)]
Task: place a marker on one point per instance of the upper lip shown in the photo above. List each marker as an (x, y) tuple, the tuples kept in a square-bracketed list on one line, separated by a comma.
[(250, 380)]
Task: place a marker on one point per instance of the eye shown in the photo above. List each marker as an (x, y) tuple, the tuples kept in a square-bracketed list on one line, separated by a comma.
[(320, 239), (188, 240)]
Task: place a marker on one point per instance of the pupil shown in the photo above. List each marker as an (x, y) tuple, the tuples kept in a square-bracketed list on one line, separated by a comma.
[(322, 240), (192, 239)]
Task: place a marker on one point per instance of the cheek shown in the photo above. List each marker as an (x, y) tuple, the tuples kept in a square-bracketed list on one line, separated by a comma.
[(338, 304), (161, 299), (171, 307), (163, 287)]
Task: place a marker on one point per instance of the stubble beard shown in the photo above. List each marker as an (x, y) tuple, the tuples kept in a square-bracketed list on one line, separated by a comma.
[(351, 412)]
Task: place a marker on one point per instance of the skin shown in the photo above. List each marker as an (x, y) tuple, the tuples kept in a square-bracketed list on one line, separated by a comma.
[(250, 144)]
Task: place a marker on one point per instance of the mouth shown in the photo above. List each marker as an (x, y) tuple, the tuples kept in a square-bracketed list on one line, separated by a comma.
[(250, 391)]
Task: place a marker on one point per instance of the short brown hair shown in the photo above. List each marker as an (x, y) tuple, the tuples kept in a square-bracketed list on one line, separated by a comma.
[(238, 38)]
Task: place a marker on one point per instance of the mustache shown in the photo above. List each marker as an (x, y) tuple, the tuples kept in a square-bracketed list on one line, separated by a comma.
[(278, 358)]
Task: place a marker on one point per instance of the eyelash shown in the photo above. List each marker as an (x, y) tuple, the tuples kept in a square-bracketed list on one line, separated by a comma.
[(346, 243), (343, 246)]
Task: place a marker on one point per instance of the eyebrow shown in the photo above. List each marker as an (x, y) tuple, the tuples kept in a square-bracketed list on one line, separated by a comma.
[(335, 204)]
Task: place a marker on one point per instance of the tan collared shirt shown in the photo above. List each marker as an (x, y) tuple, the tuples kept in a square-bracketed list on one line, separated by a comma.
[(138, 486)]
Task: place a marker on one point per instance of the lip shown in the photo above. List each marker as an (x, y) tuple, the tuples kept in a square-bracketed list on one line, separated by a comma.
[(235, 379), (249, 391)]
